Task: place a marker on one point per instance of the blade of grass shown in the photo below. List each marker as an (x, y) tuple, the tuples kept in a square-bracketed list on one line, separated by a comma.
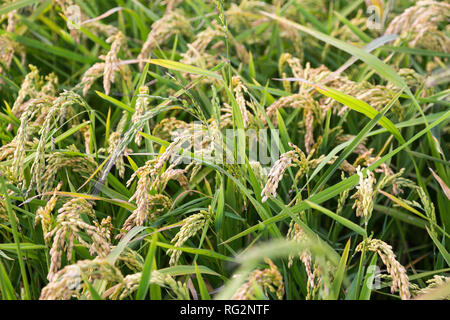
[(6, 287), (147, 270), (440, 247), (339, 275), (201, 284), (173, 65), (13, 221), (345, 222), (16, 5)]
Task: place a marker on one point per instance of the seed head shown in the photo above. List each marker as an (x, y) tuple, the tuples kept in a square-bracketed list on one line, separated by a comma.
[(276, 173), (191, 225), (68, 282), (239, 90), (269, 279), (364, 195), (142, 103), (400, 281)]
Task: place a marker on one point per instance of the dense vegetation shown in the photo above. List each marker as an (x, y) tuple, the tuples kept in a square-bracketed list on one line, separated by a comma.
[(113, 114)]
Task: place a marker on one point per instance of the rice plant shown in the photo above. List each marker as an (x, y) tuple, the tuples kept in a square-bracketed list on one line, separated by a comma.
[(224, 149)]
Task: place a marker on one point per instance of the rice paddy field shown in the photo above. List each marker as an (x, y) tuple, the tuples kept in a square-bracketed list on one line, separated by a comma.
[(230, 150)]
